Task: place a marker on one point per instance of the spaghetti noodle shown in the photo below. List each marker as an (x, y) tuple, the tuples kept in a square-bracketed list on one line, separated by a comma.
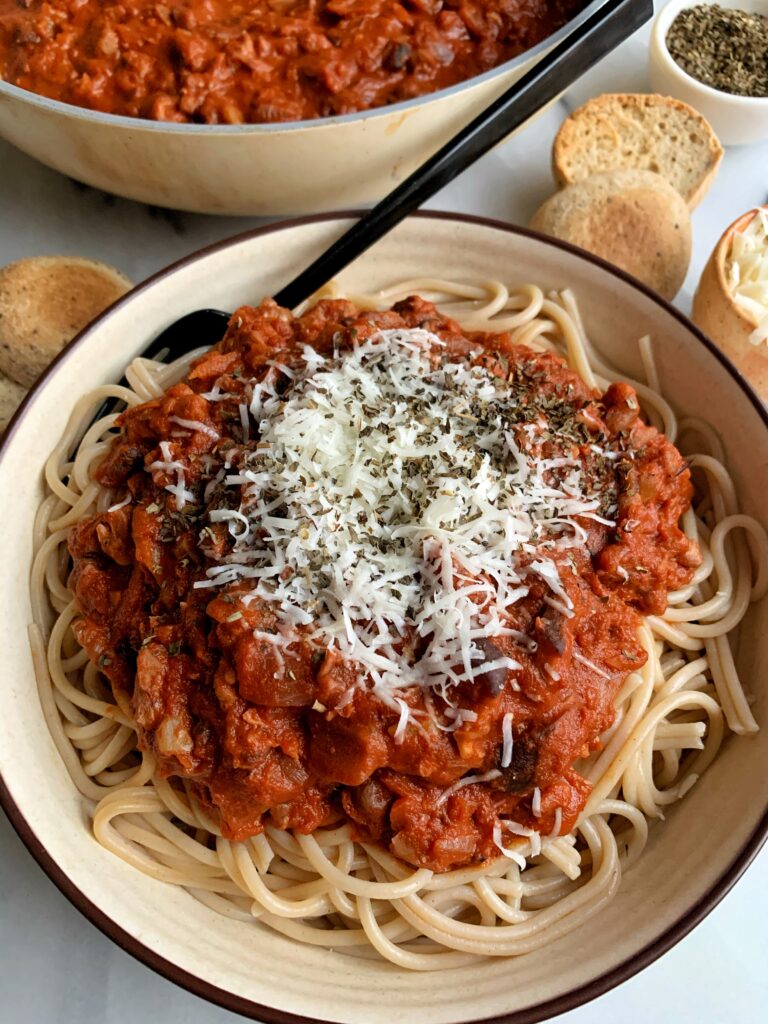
[(333, 885)]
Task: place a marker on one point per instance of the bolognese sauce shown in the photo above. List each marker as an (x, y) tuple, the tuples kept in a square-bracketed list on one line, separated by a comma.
[(225, 62), (371, 567)]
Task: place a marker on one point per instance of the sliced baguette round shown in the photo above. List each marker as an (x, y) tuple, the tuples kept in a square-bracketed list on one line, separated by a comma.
[(646, 132), (633, 219), (44, 302), (728, 324), (11, 395)]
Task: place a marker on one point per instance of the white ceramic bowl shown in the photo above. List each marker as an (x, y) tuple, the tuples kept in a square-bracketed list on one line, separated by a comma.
[(692, 858), (261, 169), (737, 120)]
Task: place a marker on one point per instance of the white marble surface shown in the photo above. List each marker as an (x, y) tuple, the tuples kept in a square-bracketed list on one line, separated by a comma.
[(55, 968)]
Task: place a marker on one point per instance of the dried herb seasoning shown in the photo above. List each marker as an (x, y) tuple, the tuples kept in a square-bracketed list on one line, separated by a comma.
[(722, 48)]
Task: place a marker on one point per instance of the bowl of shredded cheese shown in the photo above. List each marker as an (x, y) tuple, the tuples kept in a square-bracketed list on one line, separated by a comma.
[(731, 302)]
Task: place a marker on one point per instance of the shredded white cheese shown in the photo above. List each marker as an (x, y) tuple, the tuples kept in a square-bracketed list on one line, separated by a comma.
[(513, 855), (468, 780), (577, 656), (507, 740), (747, 271), (167, 464), (245, 422), (402, 722), (527, 833), (536, 803), (215, 394), (195, 425), (395, 499), (522, 831), (457, 718), (120, 504), (557, 824), (232, 517)]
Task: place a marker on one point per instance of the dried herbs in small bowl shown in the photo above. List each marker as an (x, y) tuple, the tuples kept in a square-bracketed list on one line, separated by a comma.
[(714, 57), (724, 48)]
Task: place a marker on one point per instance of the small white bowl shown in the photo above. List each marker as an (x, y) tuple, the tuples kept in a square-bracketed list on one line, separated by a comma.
[(737, 120)]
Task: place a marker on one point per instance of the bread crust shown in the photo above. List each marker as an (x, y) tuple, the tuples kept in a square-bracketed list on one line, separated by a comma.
[(44, 302), (689, 162), (11, 395), (726, 323), (633, 219)]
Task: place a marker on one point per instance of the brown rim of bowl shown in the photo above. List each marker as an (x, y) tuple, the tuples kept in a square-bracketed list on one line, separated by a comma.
[(256, 1011)]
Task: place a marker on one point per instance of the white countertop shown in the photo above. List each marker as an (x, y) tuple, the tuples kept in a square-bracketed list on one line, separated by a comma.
[(56, 968)]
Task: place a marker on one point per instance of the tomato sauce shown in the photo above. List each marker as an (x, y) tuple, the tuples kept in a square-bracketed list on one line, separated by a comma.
[(235, 62), (268, 737)]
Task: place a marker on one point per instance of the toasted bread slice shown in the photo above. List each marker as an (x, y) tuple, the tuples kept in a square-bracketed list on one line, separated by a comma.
[(11, 395), (633, 219), (644, 132), (44, 302)]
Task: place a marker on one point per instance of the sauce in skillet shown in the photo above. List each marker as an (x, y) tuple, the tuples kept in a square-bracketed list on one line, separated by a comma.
[(235, 62)]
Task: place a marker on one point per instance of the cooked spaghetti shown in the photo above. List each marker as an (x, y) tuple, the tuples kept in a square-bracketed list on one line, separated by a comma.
[(390, 628)]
